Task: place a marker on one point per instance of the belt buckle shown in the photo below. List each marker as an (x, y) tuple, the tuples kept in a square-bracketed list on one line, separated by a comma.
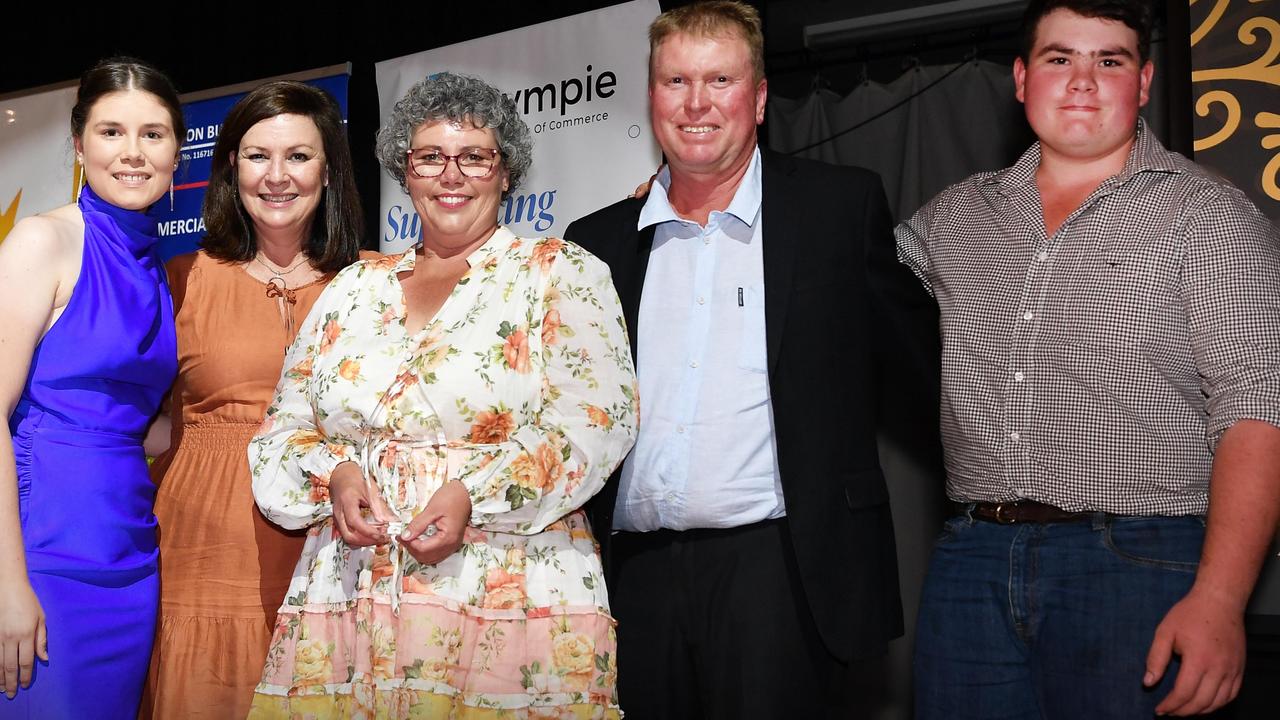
[(999, 517)]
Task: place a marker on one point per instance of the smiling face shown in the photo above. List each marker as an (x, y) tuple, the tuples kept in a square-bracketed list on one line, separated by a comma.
[(281, 171), (1082, 84), (705, 104), (456, 211), (128, 149)]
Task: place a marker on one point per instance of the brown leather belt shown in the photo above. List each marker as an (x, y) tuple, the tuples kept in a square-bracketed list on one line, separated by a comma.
[(1022, 511)]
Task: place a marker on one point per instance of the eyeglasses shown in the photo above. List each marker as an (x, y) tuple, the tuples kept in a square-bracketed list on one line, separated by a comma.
[(473, 162)]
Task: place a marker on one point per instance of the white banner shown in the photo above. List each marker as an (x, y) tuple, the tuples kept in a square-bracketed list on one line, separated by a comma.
[(581, 83), (36, 161)]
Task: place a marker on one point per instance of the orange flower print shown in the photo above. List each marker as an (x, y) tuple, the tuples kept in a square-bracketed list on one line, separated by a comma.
[(301, 370), (492, 427), (386, 262), (381, 564), (304, 440), (503, 590), (319, 488), (550, 325), (311, 663), (332, 330), (516, 351), (413, 584), (403, 382), (551, 465), (544, 253), (526, 471), (598, 418), (349, 369), (574, 655)]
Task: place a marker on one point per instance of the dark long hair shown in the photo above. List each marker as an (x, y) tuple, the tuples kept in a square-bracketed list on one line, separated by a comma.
[(336, 232), (117, 74)]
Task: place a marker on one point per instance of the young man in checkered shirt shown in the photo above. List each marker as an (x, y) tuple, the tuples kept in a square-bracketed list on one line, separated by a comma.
[(1110, 318)]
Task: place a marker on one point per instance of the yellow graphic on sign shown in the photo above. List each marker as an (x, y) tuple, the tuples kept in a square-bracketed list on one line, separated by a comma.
[(10, 216)]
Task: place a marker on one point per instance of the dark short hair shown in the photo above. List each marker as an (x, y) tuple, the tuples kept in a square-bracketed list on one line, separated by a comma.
[(1135, 14), (121, 73), (336, 241), (456, 98)]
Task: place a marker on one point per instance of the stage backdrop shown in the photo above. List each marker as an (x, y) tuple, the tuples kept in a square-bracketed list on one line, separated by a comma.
[(41, 171), (35, 153), (1235, 59), (581, 84)]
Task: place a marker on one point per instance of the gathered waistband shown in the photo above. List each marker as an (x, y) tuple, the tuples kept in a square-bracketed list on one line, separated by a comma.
[(217, 436)]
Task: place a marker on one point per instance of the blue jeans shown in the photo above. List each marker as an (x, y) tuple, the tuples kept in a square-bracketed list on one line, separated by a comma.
[(1049, 621)]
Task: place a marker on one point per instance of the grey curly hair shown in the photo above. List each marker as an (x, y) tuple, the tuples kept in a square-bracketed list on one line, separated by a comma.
[(447, 96)]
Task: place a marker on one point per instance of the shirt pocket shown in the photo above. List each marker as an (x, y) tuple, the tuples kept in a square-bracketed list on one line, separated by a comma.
[(752, 349)]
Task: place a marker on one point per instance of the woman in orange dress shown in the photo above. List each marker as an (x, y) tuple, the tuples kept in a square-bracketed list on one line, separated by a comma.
[(283, 217)]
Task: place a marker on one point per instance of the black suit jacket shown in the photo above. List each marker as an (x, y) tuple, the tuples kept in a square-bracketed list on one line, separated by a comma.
[(845, 322)]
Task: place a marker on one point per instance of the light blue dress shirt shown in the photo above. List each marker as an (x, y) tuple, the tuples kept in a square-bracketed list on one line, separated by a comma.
[(705, 457)]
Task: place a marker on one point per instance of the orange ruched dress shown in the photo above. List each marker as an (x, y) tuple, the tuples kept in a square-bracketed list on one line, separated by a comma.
[(224, 569)]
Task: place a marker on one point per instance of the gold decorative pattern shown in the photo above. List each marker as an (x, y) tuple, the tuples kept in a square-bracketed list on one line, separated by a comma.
[(1271, 172), (1262, 30), (1233, 116), (1214, 16)]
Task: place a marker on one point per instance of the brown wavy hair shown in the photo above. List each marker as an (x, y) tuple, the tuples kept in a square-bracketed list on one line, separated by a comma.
[(335, 239)]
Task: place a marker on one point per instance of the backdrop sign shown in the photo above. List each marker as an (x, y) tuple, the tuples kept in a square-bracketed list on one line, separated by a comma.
[(581, 84), (35, 153), (35, 137)]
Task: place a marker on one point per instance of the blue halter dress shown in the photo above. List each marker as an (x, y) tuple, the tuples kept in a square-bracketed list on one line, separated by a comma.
[(97, 378)]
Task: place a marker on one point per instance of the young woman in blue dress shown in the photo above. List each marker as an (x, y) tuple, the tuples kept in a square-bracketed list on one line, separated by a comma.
[(87, 352)]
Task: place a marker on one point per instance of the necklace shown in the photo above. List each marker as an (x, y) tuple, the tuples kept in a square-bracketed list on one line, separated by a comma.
[(277, 276), (277, 287)]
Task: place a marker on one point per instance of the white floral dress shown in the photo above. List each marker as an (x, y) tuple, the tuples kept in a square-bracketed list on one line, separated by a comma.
[(522, 388)]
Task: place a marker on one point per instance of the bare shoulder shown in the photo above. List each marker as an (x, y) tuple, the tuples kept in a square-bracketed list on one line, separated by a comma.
[(43, 248), (50, 236)]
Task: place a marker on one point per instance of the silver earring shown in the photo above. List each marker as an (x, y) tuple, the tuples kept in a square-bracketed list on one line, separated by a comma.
[(79, 177), (170, 194)]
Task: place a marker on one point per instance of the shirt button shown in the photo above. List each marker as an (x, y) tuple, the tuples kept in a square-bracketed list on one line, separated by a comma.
[(671, 497), (1027, 315), (1018, 376), (1042, 256), (679, 428), (694, 364), (1015, 436), (702, 300), (706, 241)]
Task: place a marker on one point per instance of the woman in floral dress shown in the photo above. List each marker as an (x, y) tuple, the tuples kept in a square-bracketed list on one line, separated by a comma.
[(441, 418)]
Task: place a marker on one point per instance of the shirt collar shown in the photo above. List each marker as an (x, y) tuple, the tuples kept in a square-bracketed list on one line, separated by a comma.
[(1146, 155), (745, 204), (501, 239)]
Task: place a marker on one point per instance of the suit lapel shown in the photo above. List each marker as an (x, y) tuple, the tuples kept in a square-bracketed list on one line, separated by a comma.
[(630, 282), (782, 235)]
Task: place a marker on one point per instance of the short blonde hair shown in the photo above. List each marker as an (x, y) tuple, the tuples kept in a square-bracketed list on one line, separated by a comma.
[(716, 18)]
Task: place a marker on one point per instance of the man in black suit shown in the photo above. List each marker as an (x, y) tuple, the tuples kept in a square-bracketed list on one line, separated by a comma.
[(748, 542)]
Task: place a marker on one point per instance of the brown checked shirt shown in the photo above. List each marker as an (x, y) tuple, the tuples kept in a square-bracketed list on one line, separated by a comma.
[(1097, 369)]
